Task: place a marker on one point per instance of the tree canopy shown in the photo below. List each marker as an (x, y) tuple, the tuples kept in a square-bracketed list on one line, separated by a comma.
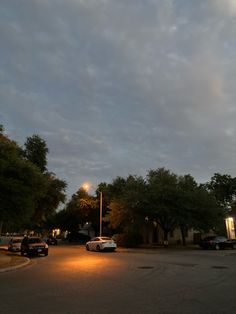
[(36, 151), (21, 184), (28, 194), (224, 189), (169, 200)]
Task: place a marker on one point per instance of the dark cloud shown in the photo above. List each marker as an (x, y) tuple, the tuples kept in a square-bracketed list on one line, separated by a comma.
[(121, 87)]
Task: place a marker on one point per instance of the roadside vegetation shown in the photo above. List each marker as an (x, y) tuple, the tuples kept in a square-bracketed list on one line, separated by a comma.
[(162, 197), (30, 196)]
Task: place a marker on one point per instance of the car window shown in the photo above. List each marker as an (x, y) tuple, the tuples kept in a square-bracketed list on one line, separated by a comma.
[(221, 238)]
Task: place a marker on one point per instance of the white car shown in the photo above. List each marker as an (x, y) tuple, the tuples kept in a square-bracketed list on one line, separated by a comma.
[(15, 244), (101, 244)]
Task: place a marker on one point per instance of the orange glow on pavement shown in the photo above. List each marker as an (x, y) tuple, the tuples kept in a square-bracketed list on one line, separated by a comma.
[(90, 263)]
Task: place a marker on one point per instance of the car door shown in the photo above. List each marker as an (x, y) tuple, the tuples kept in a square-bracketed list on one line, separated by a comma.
[(95, 243), (91, 244)]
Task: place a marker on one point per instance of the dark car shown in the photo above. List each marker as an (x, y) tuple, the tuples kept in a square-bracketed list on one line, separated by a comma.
[(51, 240), (33, 246), (78, 237), (217, 243)]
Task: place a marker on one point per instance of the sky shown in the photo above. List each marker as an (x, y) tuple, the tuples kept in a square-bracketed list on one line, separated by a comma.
[(119, 87)]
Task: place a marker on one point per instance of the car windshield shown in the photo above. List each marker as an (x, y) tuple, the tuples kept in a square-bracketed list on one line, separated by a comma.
[(34, 240), (221, 238)]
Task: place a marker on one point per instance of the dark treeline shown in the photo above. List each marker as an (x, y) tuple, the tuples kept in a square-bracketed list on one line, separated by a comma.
[(30, 195), (169, 200)]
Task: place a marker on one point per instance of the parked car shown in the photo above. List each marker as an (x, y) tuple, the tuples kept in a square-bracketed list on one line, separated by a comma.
[(101, 244), (15, 244), (217, 243), (51, 240), (78, 237), (33, 246)]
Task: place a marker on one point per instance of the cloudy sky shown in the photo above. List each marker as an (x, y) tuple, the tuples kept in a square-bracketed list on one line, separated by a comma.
[(118, 87)]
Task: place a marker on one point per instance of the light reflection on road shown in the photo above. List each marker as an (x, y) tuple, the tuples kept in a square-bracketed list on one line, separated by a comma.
[(90, 263)]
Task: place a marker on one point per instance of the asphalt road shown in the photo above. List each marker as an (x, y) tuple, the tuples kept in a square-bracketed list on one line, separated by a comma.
[(72, 280)]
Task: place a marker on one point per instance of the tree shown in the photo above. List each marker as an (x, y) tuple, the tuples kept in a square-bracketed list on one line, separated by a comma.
[(36, 151), (207, 214), (169, 200), (118, 215), (80, 209), (125, 215), (224, 189), (48, 203), (162, 199), (196, 207), (21, 184), (126, 203), (28, 194), (184, 213)]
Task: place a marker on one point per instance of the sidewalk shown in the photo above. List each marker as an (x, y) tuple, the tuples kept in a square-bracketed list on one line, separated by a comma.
[(11, 261)]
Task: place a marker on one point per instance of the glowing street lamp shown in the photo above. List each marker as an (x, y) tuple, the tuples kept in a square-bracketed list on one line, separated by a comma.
[(86, 187)]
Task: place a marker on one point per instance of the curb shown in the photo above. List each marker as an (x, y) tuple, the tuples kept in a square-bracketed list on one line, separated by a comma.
[(10, 268), (17, 265)]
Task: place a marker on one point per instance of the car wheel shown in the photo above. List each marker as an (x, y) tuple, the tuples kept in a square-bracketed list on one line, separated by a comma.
[(98, 249), (217, 247), (46, 254), (234, 246), (87, 247)]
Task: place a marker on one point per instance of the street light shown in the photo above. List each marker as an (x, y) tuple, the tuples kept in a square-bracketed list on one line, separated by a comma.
[(100, 220), (86, 187)]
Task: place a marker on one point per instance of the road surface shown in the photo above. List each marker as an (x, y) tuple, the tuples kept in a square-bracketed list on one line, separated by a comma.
[(71, 280)]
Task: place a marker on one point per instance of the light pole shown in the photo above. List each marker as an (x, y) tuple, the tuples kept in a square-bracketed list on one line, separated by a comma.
[(100, 224), (86, 186)]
